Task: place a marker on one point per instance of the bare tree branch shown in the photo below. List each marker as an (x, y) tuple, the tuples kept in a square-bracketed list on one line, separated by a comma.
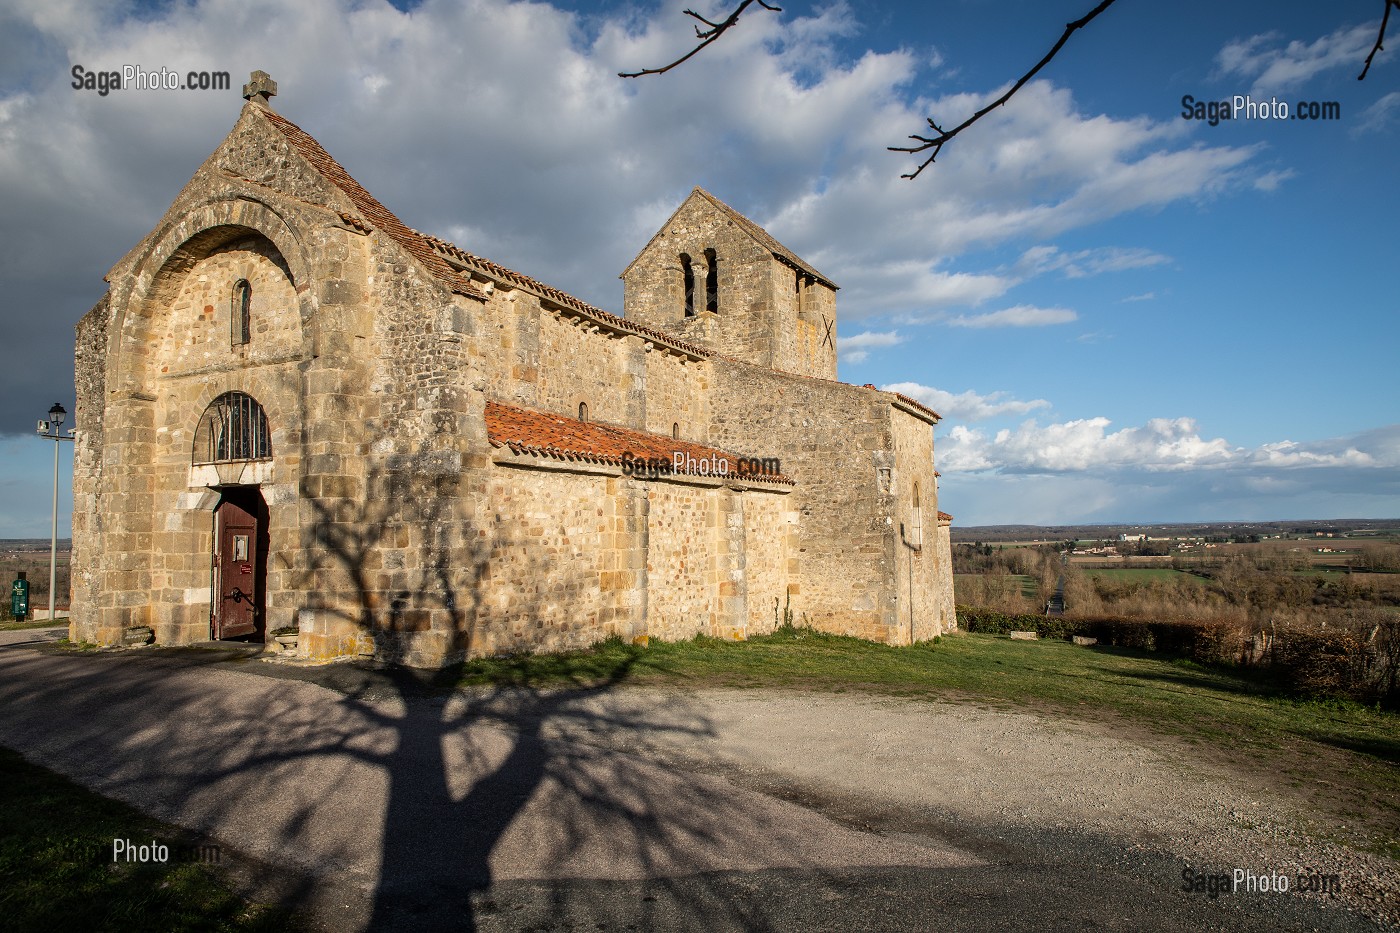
[(933, 145), (706, 36), (936, 143), (1380, 37)]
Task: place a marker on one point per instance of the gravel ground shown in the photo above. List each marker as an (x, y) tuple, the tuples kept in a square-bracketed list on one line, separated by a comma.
[(1003, 784), (654, 809)]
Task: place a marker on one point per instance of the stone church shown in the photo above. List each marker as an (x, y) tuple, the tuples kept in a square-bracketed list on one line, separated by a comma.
[(298, 417)]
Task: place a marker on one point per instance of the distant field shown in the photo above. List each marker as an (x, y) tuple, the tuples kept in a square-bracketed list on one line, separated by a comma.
[(1030, 587), (1144, 574)]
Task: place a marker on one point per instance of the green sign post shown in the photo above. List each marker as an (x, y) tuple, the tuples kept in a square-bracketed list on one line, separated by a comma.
[(19, 597)]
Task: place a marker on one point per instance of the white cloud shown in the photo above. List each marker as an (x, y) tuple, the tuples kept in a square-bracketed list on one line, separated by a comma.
[(856, 348), (1276, 69), (1086, 262), (1035, 169), (1082, 445), (916, 284), (966, 406), (1270, 181), (1379, 115), (1161, 445), (1018, 316)]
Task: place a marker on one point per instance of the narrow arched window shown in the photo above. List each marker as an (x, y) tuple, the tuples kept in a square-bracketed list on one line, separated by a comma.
[(804, 294), (676, 430), (711, 282), (583, 411), (918, 537), (241, 312), (688, 281), (233, 427)]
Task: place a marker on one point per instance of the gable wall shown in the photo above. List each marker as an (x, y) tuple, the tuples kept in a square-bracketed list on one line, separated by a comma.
[(653, 290)]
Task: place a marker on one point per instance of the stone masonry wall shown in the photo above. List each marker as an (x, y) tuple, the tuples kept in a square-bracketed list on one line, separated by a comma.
[(834, 440), (90, 367), (532, 357), (565, 567), (653, 289), (677, 393), (682, 575), (770, 536), (402, 470), (804, 309), (915, 542)]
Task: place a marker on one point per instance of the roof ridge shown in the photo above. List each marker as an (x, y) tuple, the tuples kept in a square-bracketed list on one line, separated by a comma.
[(561, 296), (764, 238), (368, 205)]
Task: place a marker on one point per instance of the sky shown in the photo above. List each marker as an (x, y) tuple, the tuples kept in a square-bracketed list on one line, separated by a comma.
[(1123, 315)]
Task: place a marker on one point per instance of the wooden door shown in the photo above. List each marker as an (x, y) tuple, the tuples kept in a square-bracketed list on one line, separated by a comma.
[(236, 563)]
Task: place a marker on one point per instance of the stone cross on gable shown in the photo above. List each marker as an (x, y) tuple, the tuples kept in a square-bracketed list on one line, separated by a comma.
[(260, 88)]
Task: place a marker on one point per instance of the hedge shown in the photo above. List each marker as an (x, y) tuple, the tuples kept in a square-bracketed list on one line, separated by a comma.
[(1325, 662)]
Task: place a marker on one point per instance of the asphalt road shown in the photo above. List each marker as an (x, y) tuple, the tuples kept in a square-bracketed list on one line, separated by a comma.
[(375, 804)]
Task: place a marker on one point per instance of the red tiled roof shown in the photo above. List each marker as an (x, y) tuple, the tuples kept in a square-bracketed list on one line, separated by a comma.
[(944, 517), (377, 214), (548, 435)]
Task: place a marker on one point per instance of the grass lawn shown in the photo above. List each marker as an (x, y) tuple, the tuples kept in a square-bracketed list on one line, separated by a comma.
[(33, 623), (57, 871), (1338, 756), (1030, 586)]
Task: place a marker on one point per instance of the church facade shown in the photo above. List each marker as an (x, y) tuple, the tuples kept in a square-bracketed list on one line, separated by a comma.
[(298, 416)]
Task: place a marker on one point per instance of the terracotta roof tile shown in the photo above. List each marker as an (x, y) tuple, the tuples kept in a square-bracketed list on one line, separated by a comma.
[(548, 435), (944, 517), (376, 214)]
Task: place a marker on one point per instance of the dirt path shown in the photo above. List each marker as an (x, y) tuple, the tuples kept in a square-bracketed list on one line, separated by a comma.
[(707, 810)]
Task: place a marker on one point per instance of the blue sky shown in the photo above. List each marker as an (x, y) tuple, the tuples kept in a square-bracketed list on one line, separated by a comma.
[(1124, 316)]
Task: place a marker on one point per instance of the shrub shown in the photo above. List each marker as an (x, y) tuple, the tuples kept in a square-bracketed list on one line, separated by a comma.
[(1358, 659)]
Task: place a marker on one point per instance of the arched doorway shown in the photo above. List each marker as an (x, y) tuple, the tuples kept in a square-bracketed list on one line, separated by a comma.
[(240, 564), (233, 433)]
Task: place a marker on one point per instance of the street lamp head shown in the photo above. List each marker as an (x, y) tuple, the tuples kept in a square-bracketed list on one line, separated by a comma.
[(57, 413)]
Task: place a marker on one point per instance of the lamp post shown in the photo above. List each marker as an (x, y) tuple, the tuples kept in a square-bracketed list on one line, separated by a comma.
[(50, 429)]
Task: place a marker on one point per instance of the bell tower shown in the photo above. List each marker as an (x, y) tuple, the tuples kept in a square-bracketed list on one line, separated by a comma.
[(715, 278)]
